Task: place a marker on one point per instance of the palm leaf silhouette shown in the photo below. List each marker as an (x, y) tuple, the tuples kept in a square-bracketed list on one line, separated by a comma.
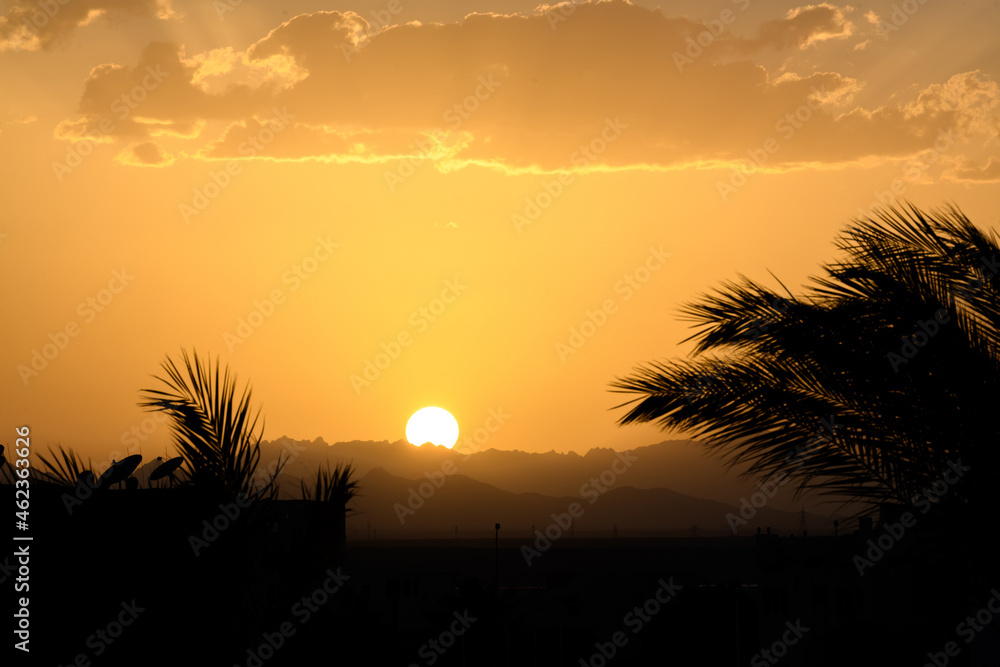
[(63, 469), (332, 486), (824, 387), (213, 427)]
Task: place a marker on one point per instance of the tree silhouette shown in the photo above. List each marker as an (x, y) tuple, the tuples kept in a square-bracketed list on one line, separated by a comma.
[(871, 386), (332, 486), (213, 429), (329, 497)]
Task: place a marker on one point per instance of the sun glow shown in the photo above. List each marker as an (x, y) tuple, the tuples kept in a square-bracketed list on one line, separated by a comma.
[(434, 425)]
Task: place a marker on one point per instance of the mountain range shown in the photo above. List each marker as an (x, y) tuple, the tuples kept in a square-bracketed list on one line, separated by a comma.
[(668, 487)]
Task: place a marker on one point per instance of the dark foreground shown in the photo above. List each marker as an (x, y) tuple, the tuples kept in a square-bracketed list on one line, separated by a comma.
[(156, 577)]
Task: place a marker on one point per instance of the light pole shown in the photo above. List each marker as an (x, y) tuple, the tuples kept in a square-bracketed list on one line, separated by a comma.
[(496, 558)]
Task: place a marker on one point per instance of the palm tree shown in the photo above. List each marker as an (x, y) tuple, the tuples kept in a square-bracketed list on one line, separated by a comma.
[(328, 500), (64, 469), (872, 386), (213, 429), (332, 486)]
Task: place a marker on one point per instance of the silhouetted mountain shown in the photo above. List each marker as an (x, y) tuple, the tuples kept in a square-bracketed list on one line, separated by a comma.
[(398, 507), (679, 465)]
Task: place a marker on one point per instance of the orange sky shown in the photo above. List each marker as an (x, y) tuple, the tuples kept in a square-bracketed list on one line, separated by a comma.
[(349, 177)]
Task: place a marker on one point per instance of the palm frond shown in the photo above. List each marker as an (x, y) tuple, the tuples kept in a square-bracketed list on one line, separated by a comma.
[(213, 426), (768, 370), (63, 469), (332, 486)]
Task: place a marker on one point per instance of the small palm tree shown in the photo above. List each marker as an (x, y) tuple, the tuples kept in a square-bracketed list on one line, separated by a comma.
[(64, 469), (334, 486), (213, 428), (869, 386), (327, 502)]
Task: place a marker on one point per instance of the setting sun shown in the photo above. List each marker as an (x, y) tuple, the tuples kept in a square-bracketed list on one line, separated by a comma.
[(434, 425)]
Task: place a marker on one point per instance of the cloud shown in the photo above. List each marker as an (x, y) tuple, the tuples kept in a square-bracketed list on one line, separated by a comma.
[(801, 27), (966, 171), (30, 25), (145, 154), (972, 98), (23, 120), (167, 94), (510, 92)]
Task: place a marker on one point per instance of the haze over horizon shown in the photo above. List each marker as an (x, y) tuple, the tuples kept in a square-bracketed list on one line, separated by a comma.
[(364, 211)]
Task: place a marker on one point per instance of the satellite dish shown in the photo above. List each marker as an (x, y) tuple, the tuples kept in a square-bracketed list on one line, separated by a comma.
[(131, 483), (103, 481), (120, 470), (166, 469)]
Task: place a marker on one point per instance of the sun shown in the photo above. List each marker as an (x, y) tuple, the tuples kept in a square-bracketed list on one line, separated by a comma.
[(434, 425)]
